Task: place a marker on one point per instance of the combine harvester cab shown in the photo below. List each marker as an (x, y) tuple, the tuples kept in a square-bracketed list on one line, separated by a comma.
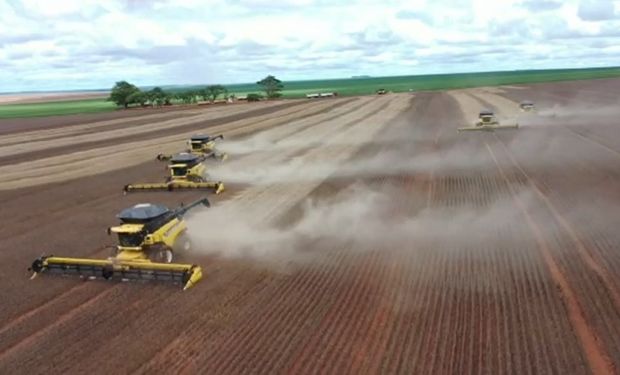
[(201, 145), (187, 172), (487, 122), (147, 237), (205, 145)]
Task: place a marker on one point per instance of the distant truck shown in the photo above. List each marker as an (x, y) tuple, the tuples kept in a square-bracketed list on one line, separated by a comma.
[(322, 95), (381, 92)]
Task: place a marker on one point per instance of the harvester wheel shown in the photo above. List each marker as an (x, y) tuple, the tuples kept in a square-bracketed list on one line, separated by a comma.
[(196, 179), (161, 255), (107, 272), (183, 244)]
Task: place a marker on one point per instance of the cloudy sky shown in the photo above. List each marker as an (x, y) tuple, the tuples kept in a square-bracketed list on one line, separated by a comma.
[(82, 44)]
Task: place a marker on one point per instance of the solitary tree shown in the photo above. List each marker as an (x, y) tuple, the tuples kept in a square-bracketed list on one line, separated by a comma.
[(272, 86), (213, 91), (122, 92)]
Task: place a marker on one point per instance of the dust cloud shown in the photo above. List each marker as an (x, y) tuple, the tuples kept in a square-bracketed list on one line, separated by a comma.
[(396, 158), (579, 110), (357, 219)]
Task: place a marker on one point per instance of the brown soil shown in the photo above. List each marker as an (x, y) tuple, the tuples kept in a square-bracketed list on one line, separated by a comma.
[(49, 97), (526, 282)]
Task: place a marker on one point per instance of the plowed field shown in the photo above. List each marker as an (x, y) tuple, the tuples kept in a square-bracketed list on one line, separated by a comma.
[(356, 235)]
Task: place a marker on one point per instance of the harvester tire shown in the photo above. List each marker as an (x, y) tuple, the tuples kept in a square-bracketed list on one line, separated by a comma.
[(107, 273), (183, 244), (161, 255)]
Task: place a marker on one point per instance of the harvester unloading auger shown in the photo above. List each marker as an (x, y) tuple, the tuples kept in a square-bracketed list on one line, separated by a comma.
[(201, 145), (147, 238), (487, 122), (187, 171)]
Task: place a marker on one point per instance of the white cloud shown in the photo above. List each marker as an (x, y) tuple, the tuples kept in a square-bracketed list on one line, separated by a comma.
[(596, 10), (90, 44)]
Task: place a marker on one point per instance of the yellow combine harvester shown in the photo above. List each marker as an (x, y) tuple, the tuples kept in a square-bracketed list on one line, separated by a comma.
[(487, 122), (147, 238), (187, 171), (526, 106), (201, 145)]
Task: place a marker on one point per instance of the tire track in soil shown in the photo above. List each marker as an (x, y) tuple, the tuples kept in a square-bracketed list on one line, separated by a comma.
[(592, 141), (178, 352), (276, 317), (28, 340), (355, 316), (392, 308), (222, 289), (587, 257), (297, 320), (598, 293), (367, 349), (598, 359), (332, 320), (99, 323), (404, 328)]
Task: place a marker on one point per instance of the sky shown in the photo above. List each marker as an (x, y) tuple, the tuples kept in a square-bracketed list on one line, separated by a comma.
[(89, 44)]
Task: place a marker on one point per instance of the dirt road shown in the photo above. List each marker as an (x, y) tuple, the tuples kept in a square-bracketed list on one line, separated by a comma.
[(357, 235)]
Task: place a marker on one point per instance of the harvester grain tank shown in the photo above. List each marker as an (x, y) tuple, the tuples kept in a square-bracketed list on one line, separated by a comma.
[(187, 172), (148, 237)]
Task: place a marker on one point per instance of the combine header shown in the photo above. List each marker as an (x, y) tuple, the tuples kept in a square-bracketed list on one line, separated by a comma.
[(201, 145), (487, 122), (147, 237), (187, 171)]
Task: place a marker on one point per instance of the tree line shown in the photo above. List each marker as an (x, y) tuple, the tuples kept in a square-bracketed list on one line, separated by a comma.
[(125, 94)]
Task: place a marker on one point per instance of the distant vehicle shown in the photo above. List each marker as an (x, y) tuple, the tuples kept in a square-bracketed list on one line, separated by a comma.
[(381, 92), (486, 117), (526, 106), (322, 95), (487, 122)]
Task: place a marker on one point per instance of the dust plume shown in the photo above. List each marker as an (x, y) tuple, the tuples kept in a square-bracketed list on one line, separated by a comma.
[(357, 218), (573, 114), (467, 153)]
